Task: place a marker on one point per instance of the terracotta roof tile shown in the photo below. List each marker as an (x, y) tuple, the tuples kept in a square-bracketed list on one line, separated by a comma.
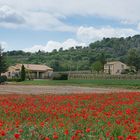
[(35, 67)]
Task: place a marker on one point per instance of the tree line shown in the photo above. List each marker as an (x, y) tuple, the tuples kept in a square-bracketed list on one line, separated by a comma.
[(126, 50)]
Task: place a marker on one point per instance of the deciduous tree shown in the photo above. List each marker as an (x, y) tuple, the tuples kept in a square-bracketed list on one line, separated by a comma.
[(133, 58), (97, 66)]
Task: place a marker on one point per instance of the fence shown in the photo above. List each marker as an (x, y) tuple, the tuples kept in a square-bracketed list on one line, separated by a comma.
[(102, 76)]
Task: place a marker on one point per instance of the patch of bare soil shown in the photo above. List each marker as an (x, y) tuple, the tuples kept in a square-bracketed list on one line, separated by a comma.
[(30, 89)]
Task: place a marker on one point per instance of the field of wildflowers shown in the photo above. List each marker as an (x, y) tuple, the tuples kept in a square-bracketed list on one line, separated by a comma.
[(70, 117)]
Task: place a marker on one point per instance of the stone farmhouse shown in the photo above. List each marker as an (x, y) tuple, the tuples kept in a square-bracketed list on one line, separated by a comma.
[(33, 71), (115, 67)]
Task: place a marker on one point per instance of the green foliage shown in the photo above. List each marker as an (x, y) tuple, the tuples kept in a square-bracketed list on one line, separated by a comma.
[(14, 79), (3, 64), (23, 73), (60, 76), (78, 58), (128, 71), (97, 66), (3, 79), (102, 58), (134, 58)]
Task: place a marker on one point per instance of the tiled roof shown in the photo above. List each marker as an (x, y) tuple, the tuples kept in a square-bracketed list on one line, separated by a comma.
[(35, 67), (113, 62)]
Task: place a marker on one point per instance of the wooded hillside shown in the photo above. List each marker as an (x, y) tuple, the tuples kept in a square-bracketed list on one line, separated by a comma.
[(78, 58)]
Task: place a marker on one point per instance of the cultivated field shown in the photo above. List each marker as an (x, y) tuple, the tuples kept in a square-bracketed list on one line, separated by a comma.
[(37, 89), (70, 117)]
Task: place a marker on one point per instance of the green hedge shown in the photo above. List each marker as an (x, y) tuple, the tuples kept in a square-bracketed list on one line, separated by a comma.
[(14, 80), (60, 76), (3, 79)]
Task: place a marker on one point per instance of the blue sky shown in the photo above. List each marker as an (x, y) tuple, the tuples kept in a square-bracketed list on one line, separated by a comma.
[(51, 24)]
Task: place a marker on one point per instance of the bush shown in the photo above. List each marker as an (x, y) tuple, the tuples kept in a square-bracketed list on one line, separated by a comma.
[(14, 80), (60, 76), (18, 80), (3, 79), (125, 71), (128, 71)]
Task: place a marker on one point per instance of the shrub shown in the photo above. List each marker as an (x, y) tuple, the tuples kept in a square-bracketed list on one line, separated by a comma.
[(3, 79), (60, 76), (18, 80), (11, 80), (128, 71), (125, 71), (14, 80)]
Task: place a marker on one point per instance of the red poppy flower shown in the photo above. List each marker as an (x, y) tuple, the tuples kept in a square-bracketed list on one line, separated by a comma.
[(17, 136), (3, 133), (66, 132), (88, 130), (47, 138), (120, 138)]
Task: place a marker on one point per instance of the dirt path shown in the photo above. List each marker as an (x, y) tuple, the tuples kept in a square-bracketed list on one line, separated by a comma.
[(21, 89)]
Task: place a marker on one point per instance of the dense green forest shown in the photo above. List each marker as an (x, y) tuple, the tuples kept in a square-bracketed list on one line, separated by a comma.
[(126, 50)]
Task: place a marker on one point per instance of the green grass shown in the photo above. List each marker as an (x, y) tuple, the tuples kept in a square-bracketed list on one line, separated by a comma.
[(135, 84)]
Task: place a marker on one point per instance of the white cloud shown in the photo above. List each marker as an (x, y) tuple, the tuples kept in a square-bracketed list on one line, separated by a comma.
[(90, 34), (48, 14), (51, 45), (4, 45), (138, 26), (10, 18), (85, 35), (120, 9), (127, 22), (14, 18), (45, 21)]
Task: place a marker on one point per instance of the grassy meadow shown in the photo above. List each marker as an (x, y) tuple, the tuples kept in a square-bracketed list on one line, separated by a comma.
[(132, 84)]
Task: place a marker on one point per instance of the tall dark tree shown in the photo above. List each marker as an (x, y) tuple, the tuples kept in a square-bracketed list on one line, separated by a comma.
[(3, 64), (102, 59), (56, 65), (23, 73), (133, 58)]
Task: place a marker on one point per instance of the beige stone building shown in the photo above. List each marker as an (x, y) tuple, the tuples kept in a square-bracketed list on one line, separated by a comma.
[(33, 71), (114, 67)]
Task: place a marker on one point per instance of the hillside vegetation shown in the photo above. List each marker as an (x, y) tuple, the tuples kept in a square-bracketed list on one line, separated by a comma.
[(81, 58)]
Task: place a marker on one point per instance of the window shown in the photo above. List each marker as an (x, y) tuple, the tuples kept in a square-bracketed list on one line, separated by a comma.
[(118, 71), (122, 66), (9, 74)]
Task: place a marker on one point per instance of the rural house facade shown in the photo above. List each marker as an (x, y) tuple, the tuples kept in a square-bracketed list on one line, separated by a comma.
[(114, 67), (33, 71)]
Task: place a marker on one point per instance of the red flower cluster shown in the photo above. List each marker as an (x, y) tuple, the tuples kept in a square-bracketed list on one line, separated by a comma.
[(75, 116)]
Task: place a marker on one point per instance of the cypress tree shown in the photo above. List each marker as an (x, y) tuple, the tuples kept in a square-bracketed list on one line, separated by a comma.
[(23, 73), (3, 64)]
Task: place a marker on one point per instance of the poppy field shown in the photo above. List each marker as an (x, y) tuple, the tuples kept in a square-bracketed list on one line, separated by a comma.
[(114, 116)]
